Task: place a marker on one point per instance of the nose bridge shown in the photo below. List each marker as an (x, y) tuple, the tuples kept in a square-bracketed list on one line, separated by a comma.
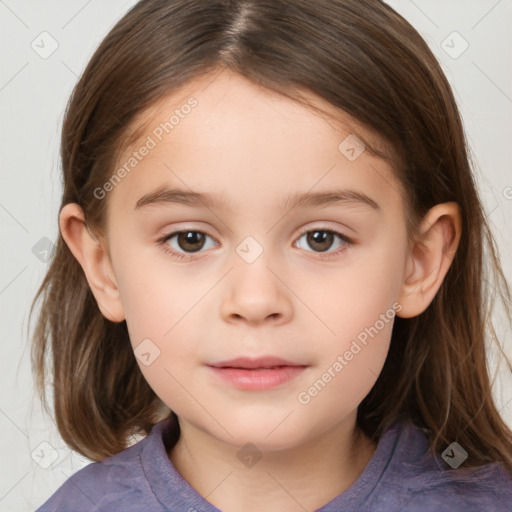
[(258, 241), (254, 261), (253, 231), (252, 248)]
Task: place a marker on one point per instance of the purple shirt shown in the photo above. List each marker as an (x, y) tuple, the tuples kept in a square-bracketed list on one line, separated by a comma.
[(400, 476)]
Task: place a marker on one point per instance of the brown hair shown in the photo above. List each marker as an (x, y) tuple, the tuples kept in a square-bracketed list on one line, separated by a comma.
[(362, 57)]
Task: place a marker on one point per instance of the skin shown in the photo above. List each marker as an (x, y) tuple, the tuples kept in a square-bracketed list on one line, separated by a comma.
[(257, 148)]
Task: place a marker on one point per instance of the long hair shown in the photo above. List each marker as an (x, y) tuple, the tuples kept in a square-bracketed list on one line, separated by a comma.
[(360, 56)]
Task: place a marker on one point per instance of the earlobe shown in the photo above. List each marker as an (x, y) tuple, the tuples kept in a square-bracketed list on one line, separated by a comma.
[(430, 258), (93, 259)]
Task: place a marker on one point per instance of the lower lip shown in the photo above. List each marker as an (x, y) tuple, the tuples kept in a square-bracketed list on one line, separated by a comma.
[(256, 380)]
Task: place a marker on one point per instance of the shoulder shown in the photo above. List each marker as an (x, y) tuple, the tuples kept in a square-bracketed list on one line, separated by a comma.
[(116, 483), (421, 482), (489, 488)]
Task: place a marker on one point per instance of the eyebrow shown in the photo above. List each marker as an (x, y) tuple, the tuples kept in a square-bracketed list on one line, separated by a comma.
[(297, 200)]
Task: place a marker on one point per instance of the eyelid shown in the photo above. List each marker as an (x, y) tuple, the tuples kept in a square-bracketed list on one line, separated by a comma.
[(320, 225), (324, 227), (183, 229)]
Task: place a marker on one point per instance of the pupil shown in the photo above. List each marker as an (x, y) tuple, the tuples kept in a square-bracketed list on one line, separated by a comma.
[(321, 239), (186, 240)]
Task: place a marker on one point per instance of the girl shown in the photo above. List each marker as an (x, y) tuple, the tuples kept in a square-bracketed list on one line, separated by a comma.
[(265, 373)]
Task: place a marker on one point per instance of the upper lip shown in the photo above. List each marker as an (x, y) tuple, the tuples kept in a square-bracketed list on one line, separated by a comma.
[(258, 362)]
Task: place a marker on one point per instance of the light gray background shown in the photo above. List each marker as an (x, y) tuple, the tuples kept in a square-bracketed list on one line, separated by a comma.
[(33, 94)]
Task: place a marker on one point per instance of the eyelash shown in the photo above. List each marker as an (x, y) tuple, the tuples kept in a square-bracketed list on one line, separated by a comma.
[(180, 256)]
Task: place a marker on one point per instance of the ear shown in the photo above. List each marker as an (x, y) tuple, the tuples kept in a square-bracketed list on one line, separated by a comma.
[(430, 258), (94, 260)]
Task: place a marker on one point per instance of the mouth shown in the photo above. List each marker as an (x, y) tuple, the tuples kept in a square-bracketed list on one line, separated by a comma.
[(258, 363), (257, 374)]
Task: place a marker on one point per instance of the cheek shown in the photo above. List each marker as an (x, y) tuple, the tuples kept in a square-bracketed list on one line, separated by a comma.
[(352, 355), (357, 306), (347, 299), (156, 294), (163, 308), (161, 315)]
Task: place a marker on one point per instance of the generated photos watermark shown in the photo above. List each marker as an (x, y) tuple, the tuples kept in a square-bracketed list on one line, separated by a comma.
[(304, 397), (151, 142)]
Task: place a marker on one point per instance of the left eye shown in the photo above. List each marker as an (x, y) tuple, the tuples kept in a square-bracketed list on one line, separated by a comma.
[(192, 241), (323, 239)]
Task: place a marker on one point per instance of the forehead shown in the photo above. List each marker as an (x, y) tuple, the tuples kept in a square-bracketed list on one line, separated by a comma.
[(226, 135), (223, 98)]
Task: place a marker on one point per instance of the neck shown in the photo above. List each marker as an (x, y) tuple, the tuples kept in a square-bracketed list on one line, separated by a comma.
[(278, 480)]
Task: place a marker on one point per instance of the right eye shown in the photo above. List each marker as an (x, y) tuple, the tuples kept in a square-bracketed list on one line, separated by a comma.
[(187, 240)]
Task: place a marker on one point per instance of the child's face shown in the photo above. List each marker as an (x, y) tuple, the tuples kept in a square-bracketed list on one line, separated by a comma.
[(226, 300)]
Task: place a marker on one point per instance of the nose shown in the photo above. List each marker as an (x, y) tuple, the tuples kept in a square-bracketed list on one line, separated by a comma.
[(255, 293)]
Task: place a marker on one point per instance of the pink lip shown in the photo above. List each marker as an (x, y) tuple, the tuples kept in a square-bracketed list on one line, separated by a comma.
[(257, 374), (257, 362)]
